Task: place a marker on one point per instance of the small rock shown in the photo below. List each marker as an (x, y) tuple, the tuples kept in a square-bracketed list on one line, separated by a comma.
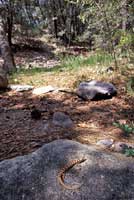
[(106, 143), (35, 114), (110, 70), (119, 147), (62, 120), (21, 88), (43, 90)]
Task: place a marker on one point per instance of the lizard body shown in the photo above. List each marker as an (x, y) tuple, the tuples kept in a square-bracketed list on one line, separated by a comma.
[(62, 172)]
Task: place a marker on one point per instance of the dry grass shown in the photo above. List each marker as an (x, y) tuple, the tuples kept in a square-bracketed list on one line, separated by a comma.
[(64, 76)]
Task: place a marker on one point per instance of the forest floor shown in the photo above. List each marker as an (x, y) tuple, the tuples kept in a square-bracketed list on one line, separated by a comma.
[(93, 120)]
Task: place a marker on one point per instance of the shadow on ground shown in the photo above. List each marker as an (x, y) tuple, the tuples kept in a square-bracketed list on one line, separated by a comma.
[(20, 134)]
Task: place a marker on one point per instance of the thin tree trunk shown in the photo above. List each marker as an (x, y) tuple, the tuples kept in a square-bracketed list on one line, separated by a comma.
[(9, 29), (9, 64), (9, 22), (124, 15)]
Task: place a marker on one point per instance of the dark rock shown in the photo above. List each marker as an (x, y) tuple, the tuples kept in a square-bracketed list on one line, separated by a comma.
[(96, 90), (103, 176), (62, 120), (35, 114)]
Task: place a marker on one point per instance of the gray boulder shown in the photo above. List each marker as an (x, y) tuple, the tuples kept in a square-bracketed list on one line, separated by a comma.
[(102, 176), (94, 90)]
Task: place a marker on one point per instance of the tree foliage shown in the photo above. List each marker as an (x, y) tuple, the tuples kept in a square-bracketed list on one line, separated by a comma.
[(98, 23)]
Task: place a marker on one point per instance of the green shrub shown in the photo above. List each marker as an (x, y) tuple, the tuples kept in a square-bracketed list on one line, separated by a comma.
[(129, 152), (127, 129)]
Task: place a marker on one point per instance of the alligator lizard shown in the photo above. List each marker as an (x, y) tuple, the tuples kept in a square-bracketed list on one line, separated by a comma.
[(62, 172)]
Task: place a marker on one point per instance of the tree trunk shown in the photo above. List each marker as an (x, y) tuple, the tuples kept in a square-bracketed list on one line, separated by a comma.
[(10, 23), (124, 15), (9, 64)]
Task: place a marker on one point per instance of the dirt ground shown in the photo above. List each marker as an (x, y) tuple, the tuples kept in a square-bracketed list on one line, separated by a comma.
[(93, 120)]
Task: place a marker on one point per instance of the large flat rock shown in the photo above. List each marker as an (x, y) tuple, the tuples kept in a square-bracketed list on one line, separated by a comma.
[(104, 176)]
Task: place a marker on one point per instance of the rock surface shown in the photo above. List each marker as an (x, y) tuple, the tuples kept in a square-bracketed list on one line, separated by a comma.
[(92, 90), (103, 176), (62, 120), (43, 90), (106, 143), (21, 88)]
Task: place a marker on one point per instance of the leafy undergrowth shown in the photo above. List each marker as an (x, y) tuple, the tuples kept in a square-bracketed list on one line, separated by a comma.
[(128, 129), (129, 152)]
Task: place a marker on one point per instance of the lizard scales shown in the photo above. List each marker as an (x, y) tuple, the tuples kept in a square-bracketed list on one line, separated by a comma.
[(61, 174)]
